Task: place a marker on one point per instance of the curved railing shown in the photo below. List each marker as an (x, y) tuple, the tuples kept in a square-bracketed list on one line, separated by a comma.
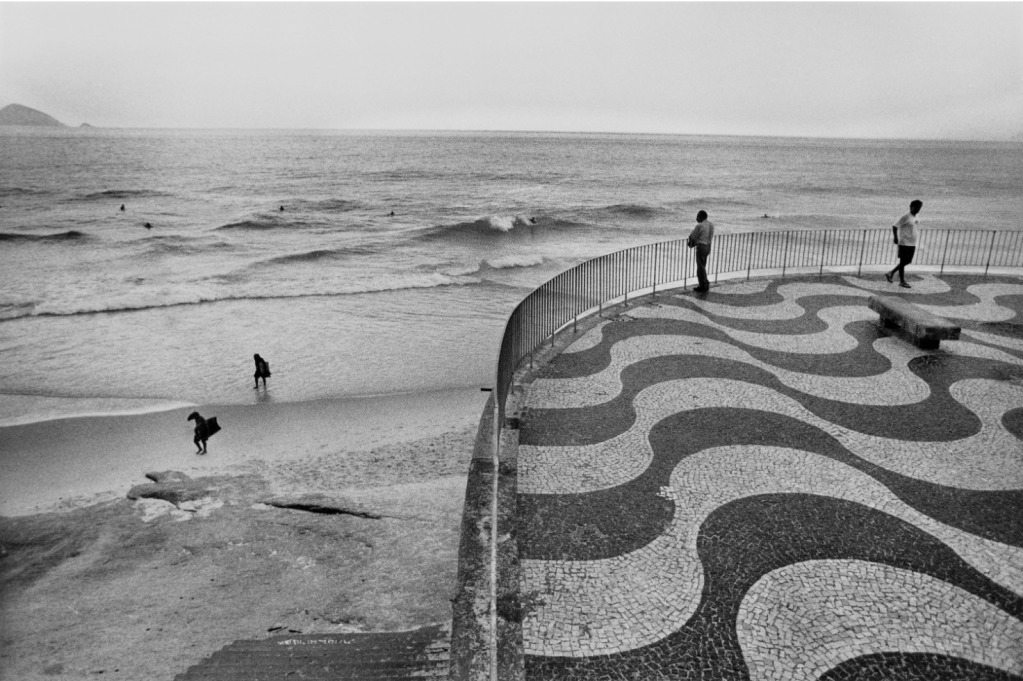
[(587, 287)]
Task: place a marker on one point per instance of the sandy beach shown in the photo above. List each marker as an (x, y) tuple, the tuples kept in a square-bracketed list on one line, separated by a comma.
[(59, 464), (93, 582)]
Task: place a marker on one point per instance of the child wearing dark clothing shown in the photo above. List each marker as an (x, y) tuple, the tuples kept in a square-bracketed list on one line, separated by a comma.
[(202, 431), (262, 371)]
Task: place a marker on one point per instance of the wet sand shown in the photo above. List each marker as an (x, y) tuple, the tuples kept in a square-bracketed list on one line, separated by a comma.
[(65, 463)]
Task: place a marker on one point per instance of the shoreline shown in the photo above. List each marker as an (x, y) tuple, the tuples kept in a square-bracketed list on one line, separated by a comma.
[(63, 464)]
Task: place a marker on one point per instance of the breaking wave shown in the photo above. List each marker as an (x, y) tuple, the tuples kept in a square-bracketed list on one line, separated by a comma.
[(158, 245), (154, 300), (119, 194), (71, 235), (498, 226), (333, 206), (511, 261), (507, 262), (711, 202), (633, 210), (321, 255), (254, 225), (21, 191)]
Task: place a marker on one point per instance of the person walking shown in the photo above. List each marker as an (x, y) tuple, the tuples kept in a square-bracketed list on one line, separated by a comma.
[(262, 371), (904, 232), (700, 239), (203, 430)]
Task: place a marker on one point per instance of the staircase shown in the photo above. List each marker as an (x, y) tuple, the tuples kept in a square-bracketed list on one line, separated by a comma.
[(408, 655)]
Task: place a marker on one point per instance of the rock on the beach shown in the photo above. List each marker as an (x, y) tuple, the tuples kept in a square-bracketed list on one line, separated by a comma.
[(321, 503), (174, 487), (168, 476), (152, 509)]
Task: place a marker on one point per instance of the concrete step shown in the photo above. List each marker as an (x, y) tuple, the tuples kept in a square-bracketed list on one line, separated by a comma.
[(392, 656)]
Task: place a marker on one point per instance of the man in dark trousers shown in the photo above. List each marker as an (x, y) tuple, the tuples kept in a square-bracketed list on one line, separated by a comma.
[(700, 239), (904, 232)]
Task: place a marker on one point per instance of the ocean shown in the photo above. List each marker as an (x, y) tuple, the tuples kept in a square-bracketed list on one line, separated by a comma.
[(373, 263)]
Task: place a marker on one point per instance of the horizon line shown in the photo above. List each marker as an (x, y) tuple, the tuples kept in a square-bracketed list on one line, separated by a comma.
[(1009, 138)]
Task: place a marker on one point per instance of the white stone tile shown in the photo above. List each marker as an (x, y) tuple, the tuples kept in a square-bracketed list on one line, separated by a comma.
[(833, 340), (992, 459), (923, 283), (788, 308), (649, 592), (588, 340), (987, 310), (896, 386), (993, 339), (872, 611)]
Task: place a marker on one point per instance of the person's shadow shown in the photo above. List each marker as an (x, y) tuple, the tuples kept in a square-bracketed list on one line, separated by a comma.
[(264, 397)]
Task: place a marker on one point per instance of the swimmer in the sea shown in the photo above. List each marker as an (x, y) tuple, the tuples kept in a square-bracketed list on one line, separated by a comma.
[(282, 209), (148, 226), (122, 206)]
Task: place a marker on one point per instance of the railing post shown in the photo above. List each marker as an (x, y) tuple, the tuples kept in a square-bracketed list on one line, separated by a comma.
[(684, 256), (575, 302), (824, 250), (990, 251), (552, 319), (657, 252), (785, 253), (627, 261), (859, 270), (749, 255), (944, 252)]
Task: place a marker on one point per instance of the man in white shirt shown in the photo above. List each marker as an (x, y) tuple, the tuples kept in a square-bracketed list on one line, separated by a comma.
[(700, 239), (904, 232)]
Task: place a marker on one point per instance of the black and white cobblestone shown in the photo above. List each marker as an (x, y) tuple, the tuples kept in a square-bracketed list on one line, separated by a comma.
[(763, 484)]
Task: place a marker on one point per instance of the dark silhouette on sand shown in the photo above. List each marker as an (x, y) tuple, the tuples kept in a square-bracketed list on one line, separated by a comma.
[(204, 430), (262, 371)]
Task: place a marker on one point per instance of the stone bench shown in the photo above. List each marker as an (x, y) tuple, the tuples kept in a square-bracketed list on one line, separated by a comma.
[(925, 328)]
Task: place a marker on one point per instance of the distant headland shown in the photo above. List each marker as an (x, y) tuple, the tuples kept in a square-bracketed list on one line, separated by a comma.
[(16, 114)]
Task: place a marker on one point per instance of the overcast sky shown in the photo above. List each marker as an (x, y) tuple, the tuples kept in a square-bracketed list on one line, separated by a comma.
[(868, 69)]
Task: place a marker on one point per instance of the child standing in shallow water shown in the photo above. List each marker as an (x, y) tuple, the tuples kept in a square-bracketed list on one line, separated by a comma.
[(262, 371)]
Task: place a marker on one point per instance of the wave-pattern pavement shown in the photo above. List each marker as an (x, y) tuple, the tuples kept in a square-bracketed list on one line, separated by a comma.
[(763, 483)]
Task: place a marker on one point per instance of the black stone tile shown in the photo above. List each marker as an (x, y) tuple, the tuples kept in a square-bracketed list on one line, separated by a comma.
[(914, 667), (741, 542), (1013, 421), (621, 519), (937, 418)]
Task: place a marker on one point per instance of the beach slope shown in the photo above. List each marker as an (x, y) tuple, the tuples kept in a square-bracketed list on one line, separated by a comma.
[(351, 526)]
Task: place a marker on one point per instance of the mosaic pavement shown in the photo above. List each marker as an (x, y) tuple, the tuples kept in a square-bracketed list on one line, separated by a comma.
[(763, 483)]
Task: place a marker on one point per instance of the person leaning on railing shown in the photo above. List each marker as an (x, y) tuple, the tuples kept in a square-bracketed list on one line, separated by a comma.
[(904, 232), (700, 239)]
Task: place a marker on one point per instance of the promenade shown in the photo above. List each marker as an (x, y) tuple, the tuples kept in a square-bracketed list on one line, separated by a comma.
[(763, 483)]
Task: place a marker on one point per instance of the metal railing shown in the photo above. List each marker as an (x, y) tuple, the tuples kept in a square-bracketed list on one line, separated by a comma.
[(589, 286)]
